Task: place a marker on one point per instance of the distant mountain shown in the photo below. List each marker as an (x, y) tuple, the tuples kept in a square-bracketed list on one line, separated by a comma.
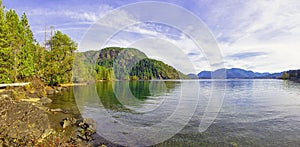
[(193, 76), (204, 75), (272, 76), (237, 73)]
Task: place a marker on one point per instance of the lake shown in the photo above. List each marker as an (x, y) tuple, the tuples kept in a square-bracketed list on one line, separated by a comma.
[(168, 113)]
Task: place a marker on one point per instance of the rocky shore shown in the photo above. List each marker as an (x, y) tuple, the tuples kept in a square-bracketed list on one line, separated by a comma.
[(22, 123), (24, 119)]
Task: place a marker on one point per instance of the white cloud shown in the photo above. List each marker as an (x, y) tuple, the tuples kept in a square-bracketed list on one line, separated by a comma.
[(180, 51), (262, 26), (73, 21), (89, 15), (271, 26)]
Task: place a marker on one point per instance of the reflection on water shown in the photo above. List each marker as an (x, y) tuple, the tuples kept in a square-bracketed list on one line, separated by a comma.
[(67, 103), (254, 112), (117, 95)]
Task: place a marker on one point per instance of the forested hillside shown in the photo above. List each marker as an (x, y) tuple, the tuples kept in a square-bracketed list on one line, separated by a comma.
[(148, 69), (115, 63), (293, 75)]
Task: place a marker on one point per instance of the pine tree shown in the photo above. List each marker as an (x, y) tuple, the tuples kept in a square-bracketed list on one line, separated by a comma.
[(5, 49), (14, 41), (59, 60), (26, 55), (39, 60)]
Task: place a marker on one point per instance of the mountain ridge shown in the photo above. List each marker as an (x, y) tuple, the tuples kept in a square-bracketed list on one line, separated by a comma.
[(127, 64), (238, 73)]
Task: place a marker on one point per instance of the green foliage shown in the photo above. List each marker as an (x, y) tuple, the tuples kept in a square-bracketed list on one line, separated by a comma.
[(14, 41), (27, 52), (59, 60), (148, 69), (131, 64), (39, 60), (5, 50), (285, 76), (103, 73), (122, 56), (22, 58), (293, 75), (17, 47), (82, 70)]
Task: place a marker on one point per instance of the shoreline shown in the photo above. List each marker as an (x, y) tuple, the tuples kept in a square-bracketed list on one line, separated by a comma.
[(26, 118)]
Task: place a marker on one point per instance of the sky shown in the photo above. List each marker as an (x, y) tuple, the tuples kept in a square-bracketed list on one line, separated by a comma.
[(258, 35)]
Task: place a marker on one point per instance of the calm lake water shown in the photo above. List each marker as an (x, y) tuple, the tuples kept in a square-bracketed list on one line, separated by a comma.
[(253, 112)]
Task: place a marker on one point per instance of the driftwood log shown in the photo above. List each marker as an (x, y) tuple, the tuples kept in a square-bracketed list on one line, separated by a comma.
[(14, 85)]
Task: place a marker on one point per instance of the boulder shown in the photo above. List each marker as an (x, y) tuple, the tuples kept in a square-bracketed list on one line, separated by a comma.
[(45, 100), (21, 123), (50, 90)]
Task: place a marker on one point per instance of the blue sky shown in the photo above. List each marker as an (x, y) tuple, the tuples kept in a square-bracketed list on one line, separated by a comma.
[(255, 35)]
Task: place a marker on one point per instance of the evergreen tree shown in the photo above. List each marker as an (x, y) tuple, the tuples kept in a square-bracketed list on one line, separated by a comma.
[(39, 60), (59, 60), (22, 58), (26, 56), (14, 41), (5, 49)]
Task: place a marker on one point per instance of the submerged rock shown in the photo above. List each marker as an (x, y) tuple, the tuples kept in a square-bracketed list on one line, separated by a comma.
[(56, 110), (68, 122), (45, 100)]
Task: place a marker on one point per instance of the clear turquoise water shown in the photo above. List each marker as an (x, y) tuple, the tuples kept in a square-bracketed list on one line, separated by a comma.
[(253, 112)]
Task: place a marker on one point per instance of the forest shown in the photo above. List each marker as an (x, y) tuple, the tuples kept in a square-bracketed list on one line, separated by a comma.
[(293, 75), (23, 58)]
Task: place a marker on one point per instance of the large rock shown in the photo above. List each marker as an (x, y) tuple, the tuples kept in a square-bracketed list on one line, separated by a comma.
[(45, 100), (21, 123), (50, 90)]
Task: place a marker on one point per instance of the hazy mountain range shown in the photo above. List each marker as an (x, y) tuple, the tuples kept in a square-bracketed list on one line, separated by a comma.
[(147, 68), (236, 73)]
